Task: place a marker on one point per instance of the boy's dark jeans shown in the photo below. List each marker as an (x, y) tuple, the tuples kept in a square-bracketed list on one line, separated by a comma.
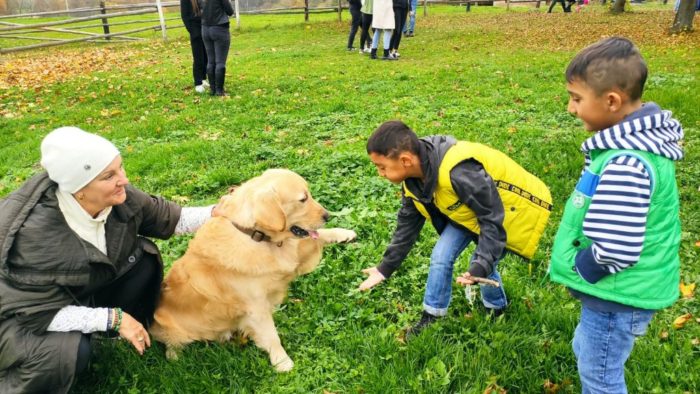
[(199, 55), (217, 41)]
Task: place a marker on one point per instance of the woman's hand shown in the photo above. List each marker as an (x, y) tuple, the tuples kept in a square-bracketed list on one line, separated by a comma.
[(375, 277), (134, 332)]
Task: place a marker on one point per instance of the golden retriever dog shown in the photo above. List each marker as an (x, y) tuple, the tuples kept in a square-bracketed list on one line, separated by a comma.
[(238, 266)]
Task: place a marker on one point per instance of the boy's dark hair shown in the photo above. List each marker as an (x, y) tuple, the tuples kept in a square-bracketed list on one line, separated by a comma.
[(391, 138), (613, 62)]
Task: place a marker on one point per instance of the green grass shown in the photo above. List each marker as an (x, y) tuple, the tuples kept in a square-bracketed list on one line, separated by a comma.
[(300, 101)]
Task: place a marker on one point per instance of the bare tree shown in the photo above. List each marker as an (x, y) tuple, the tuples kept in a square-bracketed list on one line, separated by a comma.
[(684, 17), (618, 7)]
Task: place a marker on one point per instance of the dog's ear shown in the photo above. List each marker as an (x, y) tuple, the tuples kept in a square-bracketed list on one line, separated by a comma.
[(268, 212)]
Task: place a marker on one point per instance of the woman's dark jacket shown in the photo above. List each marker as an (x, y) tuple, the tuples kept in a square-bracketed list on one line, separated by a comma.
[(192, 21), (45, 266), (215, 12)]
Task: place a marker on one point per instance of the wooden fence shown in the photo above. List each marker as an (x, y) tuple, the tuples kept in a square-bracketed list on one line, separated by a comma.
[(107, 14)]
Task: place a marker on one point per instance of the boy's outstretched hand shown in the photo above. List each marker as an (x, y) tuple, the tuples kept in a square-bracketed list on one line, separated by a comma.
[(375, 277), (466, 279)]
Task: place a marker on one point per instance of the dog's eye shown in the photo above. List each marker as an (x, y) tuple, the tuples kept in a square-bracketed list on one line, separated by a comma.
[(306, 197)]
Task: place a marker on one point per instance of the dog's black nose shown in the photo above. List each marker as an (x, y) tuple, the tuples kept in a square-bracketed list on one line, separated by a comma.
[(325, 216)]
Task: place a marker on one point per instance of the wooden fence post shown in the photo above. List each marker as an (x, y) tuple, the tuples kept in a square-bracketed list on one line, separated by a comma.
[(162, 20), (105, 23), (238, 15), (340, 11), (306, 10), (425, 7), (507, 5)]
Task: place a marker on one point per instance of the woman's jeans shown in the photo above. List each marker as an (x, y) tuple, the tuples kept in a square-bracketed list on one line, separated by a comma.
[(602, 343), (408, 27), (217, 40), (438, 290), (387, 38)]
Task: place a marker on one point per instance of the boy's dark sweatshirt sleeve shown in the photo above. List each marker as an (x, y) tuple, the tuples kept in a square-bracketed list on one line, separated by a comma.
[(475, 188), (408, 226)]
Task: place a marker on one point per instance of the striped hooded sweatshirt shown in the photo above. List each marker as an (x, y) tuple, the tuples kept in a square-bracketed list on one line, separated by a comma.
[(616, 220)]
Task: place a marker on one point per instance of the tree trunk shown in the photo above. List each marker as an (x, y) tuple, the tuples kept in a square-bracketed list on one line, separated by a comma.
[(684, 17), (618, 7)]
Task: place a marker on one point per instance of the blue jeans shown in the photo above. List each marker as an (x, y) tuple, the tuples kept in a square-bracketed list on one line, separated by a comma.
[(387, 38), (438, 290), (411, 23), (602, 343)]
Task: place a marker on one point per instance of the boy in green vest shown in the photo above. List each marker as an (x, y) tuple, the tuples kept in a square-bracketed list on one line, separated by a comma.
[(617, 245), (469, 192)]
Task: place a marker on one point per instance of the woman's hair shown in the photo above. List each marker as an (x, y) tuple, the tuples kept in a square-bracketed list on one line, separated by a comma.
[(392, 138), (195, 8), (610, 63)]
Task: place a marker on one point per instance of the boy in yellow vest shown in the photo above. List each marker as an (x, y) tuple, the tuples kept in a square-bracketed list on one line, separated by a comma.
[(617, 245), (469, 192)]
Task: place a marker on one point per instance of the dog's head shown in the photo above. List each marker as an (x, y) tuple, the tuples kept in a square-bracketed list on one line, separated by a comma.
[(277, 203)]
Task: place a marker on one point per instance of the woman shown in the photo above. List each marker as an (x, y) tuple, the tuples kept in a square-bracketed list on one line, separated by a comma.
[(74, 261), (191, 16), (382, 21), (217, 40)]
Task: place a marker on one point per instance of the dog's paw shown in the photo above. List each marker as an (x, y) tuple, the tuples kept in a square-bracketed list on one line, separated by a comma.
[(172, 354), (337, 235), (285, 365)]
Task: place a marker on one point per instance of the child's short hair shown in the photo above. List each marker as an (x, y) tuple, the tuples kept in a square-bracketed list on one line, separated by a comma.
[(613, 62), (392, 138)]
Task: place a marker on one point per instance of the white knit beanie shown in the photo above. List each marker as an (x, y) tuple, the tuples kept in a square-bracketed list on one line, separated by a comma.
[(73, 157)]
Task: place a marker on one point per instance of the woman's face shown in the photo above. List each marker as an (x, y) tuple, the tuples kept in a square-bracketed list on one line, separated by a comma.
[(106, 190)]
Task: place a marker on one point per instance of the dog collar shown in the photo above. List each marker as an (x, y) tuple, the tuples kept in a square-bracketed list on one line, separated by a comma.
[(255, 235)]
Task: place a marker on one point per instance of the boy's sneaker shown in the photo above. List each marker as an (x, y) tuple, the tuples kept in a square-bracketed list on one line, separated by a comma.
[(368, 49), (396, 54), (205, 83), (426, 319), (350, 49), (200, 88)]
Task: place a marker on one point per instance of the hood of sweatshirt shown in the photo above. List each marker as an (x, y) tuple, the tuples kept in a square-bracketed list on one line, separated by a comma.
[(431, 151), (648, 129)]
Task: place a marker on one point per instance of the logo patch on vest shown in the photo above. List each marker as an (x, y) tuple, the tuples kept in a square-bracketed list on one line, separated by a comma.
[(578, 200), (454, 206)]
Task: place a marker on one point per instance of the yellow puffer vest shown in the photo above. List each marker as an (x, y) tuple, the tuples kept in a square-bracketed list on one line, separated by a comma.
[(526, 199)]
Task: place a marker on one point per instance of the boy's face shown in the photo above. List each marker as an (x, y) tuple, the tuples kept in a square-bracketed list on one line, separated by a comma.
[(394, 170), (596, 111)]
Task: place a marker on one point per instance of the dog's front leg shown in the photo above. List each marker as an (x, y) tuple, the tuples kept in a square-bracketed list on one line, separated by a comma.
[(336, 235), (262, 329)]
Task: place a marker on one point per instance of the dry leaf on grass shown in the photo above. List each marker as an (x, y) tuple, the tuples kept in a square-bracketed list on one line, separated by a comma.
[(687, 290), (681, 320)]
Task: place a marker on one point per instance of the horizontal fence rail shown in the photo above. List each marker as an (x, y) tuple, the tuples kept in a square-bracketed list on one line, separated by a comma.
[(109, 16)]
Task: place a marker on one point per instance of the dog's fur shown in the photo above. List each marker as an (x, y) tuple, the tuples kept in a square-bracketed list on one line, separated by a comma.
[(228, 282)]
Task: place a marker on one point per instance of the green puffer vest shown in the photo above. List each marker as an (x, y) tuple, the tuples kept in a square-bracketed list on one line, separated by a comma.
[(653, 282)]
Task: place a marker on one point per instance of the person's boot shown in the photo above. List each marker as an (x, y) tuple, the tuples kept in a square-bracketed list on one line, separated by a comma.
[(211, 76), (373, 53), (220, 79), (426, 319), (388, 56)]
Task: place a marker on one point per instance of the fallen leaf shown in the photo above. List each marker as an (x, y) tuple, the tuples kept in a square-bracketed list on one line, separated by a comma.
[(695, 341), (681, 320), (663, 335), (687, 290)]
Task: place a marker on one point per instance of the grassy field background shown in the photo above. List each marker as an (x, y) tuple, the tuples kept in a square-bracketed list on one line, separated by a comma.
[(299, 100)]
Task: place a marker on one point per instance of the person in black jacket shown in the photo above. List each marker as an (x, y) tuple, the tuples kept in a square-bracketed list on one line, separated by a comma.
[(401, 9), (191, 16), (217, 40), (354, 8)]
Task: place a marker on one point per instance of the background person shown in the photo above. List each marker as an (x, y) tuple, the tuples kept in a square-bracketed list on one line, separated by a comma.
[(191, 16), (217, 40)]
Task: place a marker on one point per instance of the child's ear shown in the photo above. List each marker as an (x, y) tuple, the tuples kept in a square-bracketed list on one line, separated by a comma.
[(614, 101), (405, 159)]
